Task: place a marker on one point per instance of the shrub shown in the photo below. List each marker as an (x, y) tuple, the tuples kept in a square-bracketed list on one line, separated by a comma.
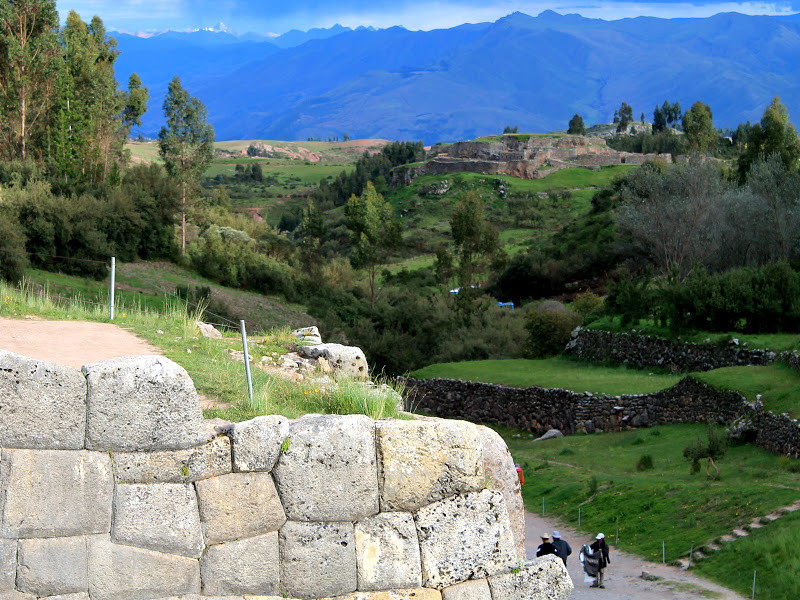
[(586, 303), (645, 463), (549, 327)]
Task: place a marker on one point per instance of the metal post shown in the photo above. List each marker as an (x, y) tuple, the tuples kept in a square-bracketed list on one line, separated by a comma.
[(579, 518), (246, 361), (663, 552), (111, 290), (754, 584), (616, 537), (542, 505)]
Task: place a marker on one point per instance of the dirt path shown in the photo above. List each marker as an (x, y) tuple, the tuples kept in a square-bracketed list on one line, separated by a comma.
[(623, 577), (70, 343)]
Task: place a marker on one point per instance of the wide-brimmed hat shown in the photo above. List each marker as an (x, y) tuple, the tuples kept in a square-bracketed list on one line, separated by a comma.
[(545, 536), (556, 534), (600, 536)]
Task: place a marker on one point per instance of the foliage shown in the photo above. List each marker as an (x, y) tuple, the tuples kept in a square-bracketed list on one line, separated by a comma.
[(631, 299), (775, 134), (623, 117), (475, 239), (714, 447), (549, 326), (185, 144), (699, 127), (645, 462), (576, 126), (658, 142)]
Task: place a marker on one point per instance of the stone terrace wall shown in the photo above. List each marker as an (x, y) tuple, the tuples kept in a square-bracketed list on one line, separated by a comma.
[(643, 351), (112, 487), (538, 409)]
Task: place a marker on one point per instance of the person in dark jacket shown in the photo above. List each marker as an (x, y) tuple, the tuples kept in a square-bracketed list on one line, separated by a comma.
[(546, 547), (600, 548), (562, 547)]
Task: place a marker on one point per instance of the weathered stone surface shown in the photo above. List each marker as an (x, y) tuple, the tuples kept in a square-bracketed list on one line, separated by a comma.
[(421, 462), (56, 493), (308, 335), (12, 595), (549, 435), (124, 573), (318, 559), (174, 466), (345, 360), (239, 505), (43, 404), (387, 552), (501, 473), (329, 472), (8, 563), (161, 516), (209, 331), (468, 590), (402, 594), (544, 577), (250, 566), (257, 443), (48, 567), (465, 537), (79, 596), (141, 403)]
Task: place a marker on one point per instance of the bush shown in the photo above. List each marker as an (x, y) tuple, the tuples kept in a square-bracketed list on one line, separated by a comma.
[(645, 463), (549, 328), (13, 259)]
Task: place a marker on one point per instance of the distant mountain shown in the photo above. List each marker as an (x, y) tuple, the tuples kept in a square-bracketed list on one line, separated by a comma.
[(450, 84)]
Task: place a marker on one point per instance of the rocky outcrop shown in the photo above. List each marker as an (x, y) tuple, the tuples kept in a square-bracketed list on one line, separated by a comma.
[(319, 507), (532, 158)]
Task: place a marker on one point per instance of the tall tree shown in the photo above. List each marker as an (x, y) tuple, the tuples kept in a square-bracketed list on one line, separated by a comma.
[(473, 236), (625, 114), (698, 126), (659, 120), (186, 143), (775, 134), (576, 126), (374, 232), (28, 66)]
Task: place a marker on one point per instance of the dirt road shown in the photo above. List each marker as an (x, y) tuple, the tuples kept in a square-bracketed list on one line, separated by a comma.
[(71, 343), (623, 577)]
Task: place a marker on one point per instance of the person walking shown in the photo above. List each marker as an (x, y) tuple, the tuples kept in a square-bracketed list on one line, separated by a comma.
[(600, 548), (562, 547), (546, 547)]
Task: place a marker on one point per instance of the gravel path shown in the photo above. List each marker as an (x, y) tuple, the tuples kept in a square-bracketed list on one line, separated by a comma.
[(623, 576)]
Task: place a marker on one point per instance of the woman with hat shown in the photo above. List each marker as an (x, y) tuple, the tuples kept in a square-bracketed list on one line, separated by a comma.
[(600, 549)]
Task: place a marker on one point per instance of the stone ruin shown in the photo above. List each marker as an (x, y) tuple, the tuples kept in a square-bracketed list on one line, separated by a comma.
[(113, 487), (534, 158)]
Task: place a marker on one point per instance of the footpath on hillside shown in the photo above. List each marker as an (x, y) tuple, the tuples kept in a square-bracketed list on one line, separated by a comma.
[(623, 579)]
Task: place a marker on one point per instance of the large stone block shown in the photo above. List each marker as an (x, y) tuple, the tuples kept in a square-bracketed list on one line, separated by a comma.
[(48, 567), (257, 443), (13, 595), (465, 537), (125, 573), (141, 403), (162, 516), (501, 474), (250, 566), (42, 405), (8, 563), (174, 466), (387, 552), (544, 577), (239, 505), (405, 594), (318, 559), (79, 596), (329, 472), (345, 360), (477, 589), (56, 493), (421, 462)]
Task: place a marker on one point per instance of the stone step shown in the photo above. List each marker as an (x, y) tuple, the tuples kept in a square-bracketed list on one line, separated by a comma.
[(698, 555), (712, 548), (771, 518), (753, 525), (790, 509), (683, 563), (740, 533), (727, 538)]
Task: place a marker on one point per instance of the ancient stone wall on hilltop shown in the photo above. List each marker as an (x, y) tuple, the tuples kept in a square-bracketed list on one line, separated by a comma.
[(113, 486)]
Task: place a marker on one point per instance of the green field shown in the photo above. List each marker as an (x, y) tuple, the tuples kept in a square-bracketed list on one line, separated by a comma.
[(553, 373), (598, 475)]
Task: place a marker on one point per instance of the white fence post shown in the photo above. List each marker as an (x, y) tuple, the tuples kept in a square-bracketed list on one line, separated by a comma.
[(111, 290), (246, 361)]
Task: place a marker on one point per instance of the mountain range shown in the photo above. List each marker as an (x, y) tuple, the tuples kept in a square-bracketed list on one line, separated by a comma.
[(470, 80)]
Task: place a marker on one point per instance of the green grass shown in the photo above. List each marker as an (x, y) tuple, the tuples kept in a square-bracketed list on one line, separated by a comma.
[(174, 331), (597, 474), (552, 373), (778, 384)]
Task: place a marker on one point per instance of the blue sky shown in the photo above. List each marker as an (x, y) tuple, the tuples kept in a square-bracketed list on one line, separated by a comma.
[(279, 16)]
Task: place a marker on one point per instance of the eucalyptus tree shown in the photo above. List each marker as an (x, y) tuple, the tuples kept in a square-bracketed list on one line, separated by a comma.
[(186, 144)]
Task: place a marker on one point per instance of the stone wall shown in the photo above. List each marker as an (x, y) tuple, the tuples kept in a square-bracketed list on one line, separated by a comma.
[(113, 487), (538, 409), (645, 351)]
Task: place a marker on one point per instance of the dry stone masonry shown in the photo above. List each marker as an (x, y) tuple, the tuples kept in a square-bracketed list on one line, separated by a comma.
[(113, 487)]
